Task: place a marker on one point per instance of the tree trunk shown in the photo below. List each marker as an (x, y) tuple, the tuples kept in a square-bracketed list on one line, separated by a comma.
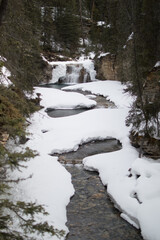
[(3, 7), (92, 10), (80, 13)]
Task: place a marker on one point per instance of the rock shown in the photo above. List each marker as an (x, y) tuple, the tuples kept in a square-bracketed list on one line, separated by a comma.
[(150, 146), (84, 76), (61, 80), (106, 67), (151, 89), (4, 138), (76, 73), (23, 139), (47, 72)]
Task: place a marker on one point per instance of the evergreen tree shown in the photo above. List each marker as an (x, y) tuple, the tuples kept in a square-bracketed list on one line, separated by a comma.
[(68, 25), (20, 44), (20, 35)]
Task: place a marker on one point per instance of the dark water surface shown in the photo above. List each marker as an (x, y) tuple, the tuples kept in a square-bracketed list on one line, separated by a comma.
[(55, 85), (55, 113), (91, 215), (87, 149)]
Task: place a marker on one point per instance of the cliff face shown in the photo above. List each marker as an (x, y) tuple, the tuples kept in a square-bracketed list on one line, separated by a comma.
[(150, 146), (152, 86), (106, 67), (109, 69)]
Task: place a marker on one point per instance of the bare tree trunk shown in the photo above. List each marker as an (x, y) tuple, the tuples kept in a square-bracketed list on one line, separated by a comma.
[(80, 13), (3, 7), (92, 10)]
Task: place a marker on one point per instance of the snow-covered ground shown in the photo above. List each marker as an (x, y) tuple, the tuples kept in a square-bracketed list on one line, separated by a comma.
[(132, 183)]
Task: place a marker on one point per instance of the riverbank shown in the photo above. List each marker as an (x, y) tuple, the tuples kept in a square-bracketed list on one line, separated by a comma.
[(121, 171)]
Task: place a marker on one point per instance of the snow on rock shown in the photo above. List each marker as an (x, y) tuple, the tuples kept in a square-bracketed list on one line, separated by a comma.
[(112, 90), (157, 64), (57, 99), (103, 54), (4, 78), (101, 23), (130, 36)]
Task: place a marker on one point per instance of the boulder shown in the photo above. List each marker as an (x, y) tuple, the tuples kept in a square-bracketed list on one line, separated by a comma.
[(149, 146), (106, 68)]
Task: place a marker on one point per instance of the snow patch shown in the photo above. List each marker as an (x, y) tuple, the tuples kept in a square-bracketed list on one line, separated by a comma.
[(103, 54), (4, 77), (130, 36), (157, 64)]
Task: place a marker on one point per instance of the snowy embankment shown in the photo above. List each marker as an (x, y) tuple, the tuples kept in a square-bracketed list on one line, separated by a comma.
[(136, 192), (132, 183)]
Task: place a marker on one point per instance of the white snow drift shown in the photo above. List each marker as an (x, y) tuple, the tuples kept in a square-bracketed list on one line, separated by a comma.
[(132, 183)]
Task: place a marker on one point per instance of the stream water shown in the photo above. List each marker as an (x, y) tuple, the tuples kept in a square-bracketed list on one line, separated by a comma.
[(91, 215)]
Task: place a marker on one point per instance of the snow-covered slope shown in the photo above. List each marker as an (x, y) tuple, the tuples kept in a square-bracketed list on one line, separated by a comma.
[(132, 183)]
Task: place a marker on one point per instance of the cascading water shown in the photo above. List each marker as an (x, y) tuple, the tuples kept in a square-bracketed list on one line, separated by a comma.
[(72, 72)]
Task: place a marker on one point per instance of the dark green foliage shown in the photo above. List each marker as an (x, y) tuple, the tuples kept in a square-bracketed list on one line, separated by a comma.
[(68, 25), (24, 212), (20, 44), (14, 107)]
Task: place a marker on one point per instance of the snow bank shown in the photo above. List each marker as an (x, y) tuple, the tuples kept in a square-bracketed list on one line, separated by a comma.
[(50, 186), (132, 183), (66, 134), (57, 99), (112, 90)]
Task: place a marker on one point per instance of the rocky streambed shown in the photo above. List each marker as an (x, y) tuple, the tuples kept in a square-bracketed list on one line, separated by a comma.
[(91, 214)]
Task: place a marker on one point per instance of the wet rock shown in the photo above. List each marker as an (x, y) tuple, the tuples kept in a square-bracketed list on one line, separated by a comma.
[(61, 80)]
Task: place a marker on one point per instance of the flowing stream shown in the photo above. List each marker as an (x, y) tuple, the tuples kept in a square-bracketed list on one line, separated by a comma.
[(90, 213)]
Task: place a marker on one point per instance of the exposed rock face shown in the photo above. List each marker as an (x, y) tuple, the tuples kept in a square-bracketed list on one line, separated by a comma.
[(84, 76), (152, 86), (106, 67), (47, 72), (151, 93), (4, 138), (150, 146)]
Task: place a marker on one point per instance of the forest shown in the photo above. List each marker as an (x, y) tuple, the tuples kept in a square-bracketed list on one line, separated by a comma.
[(127, 29)]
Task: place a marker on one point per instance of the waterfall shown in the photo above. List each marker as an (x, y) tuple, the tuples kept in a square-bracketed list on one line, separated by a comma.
[(73, 72)]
